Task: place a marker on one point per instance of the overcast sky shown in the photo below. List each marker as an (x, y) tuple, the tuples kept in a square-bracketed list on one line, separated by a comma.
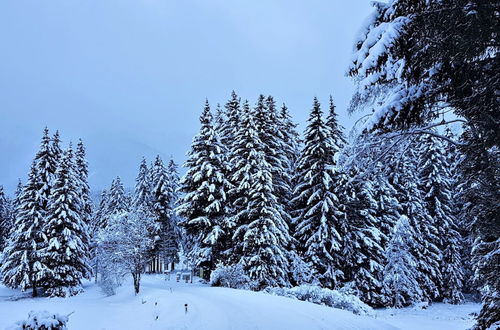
[(130, 76)]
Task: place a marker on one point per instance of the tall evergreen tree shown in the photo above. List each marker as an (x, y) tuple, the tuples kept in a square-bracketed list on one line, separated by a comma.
[(99, 220), (266, 237), (162, 197), (82, 175), (66, 255), (437, 193), (22, 266), (261, 235), (142, 193), (46, 161), (320, 217), (56, 146), (203, 205), (171, 238), (400, 273), (230, 127), (5, 218), (118, 200), (336, 130), (404, 177), (364, 246), (290, 150), (238, 194)]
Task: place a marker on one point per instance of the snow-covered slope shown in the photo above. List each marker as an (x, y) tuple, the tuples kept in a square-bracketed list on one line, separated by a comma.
[(161, 306)]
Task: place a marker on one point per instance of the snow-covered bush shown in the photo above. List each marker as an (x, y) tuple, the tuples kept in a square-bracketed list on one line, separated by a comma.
[(112, 276), (322, 296), (232, 276), (42, 320)]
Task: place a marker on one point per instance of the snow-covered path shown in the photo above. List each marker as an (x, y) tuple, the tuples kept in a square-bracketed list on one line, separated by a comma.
[(161, 306)]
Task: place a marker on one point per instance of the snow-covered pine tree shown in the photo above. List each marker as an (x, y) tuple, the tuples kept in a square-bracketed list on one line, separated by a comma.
[(291, 141), (172, 234), (17, 197), (290, 148), (82, 168), (261, 235), (21, 266), (400, 273), (404, 177), (8, 209), (56, 146), (271, 136), (203, 205), (99, 220), (118, 200), (364, 244), (320, 217), (436, 187), (238, 192), (336, 130), (142, 194), (162, 197), (266, 237), (67, 252), (219, 119), (46, 161), (228, 130), (6, 218), (460, 212)]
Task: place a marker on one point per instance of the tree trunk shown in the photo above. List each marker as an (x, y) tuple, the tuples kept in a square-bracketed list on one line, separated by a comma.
[(96, 267), (35, 293), (137, 281)]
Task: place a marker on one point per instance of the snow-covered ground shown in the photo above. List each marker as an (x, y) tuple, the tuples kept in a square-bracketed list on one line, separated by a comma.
[(436, 317), (161, 306)]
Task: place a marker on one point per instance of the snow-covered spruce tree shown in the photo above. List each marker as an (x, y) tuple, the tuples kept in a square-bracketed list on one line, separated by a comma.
[(125, 245), (203, 205), (46, 161), (300, 271), (336, 130), (459, 207), (276, 134), (142, 194), (261, 235), (67, 252), (6, 218), (266, 236), (267, 123), (400, 273), (99, 220), (8, 208), (436, 187), (238, 192), (172, 235), (320, 217), (82, 169), (364, 244), (163, 197), (118, 200), (227, 132), (56, 146), (404, 177), (21, 266)]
